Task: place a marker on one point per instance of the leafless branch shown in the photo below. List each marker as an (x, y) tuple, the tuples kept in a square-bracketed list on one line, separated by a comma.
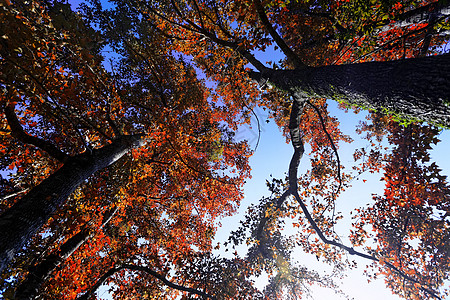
[(13, 195)]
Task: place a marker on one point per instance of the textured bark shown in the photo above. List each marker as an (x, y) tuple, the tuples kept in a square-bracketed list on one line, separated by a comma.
[(417, 88), (38, 274), (24, 219)]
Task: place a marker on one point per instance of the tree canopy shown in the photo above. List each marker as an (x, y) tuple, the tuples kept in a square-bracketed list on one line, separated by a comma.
[(118, 153)]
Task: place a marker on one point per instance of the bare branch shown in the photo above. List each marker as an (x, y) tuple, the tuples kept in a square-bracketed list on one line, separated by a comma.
[(259, 128), (13, 195)]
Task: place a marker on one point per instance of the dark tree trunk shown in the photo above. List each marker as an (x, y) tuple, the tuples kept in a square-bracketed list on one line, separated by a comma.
[(417, 88), (24, 219), (38, 274)]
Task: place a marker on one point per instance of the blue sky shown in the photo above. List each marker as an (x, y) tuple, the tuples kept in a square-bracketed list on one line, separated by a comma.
[(272, 158)]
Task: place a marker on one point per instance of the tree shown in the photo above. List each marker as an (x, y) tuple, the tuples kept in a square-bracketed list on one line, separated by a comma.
[(64, 114), (412, 234), (415, 88), (41, 272), (168, 194), (383, 51), (29, 214)]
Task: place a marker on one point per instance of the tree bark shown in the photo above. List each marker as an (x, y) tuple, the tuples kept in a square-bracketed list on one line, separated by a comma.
[(24, 219), (437, 10), (38, 274), (416, 88)]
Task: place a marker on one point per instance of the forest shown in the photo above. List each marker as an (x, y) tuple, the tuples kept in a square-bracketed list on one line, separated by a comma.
[(119, 156)]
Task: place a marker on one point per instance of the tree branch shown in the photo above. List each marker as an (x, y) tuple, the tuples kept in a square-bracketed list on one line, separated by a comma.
[(208, 34), (293, 189), (65, 112), (439, 9), (18, 132), (39, 273), (294, 123), (235, 46), (194, 169), (428, 35), (27, 216), (13, 195), (292, 57), (259, 128), (390, 42), (147, 270)]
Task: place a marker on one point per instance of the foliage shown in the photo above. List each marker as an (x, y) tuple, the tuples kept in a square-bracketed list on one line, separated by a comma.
[(168, 193), (179, 73), (406, 220)]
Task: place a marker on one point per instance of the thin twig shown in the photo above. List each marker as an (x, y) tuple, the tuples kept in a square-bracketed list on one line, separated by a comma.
[(259, 128), (332, 145)]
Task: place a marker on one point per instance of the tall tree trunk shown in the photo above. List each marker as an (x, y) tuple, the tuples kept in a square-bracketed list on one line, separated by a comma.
[(39, 273), (417, 88), (24, 219)]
